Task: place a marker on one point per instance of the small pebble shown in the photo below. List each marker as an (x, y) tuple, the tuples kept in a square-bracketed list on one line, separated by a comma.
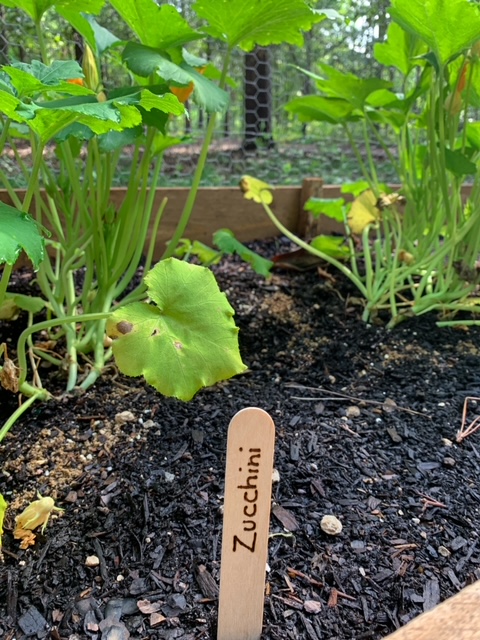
[(156, 619), (443, 551), (352, 412), (275, 475), (449, 462), (92, 561), (312, 606), (124, 416), (331, 525)]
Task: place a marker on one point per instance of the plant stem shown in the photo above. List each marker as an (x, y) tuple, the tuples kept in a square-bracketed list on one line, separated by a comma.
[(192, 194), (19, 412), (371, 161), (304, 245), (41, 41), (358, 155), (33, 182), (47, 324), (6, 273), (4, 132)]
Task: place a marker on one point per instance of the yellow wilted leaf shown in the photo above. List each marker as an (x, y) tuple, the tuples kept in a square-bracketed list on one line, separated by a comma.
[(3, 508), (363, 211), (256, 190), (37, 513)]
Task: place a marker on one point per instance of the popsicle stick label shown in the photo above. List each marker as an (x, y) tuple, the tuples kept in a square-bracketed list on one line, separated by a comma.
[(246, 520)]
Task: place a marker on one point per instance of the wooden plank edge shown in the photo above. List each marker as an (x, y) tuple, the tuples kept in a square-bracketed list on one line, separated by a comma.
[(457, 618)]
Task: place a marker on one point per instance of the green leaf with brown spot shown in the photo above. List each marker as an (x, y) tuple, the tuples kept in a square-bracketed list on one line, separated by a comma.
[(186, 340)]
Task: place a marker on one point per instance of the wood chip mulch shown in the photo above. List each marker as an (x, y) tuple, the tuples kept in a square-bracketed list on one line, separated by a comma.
[(366, 431)]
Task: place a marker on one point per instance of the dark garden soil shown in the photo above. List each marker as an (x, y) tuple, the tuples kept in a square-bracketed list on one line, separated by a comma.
[(366, 424)]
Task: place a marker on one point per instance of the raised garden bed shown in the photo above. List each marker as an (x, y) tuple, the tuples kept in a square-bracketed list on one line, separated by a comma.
[(366, 425)]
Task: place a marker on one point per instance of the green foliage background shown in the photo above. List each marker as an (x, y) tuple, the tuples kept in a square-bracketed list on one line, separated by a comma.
[(313, 150)]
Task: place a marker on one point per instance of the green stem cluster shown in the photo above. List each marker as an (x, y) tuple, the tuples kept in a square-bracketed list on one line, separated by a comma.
[(438, 230), (97, 247)]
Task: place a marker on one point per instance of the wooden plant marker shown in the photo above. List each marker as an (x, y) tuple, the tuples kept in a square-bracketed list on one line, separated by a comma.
[(457, 618), (246, 520)]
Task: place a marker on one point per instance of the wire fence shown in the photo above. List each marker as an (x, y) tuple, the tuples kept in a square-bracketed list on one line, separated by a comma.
[(255, 136)]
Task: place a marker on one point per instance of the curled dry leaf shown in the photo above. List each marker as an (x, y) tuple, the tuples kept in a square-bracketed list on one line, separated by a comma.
[(27, 537), (8, 374)]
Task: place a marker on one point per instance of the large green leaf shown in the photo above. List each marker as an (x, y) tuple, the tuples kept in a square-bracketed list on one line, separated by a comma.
[(155, 109), (473, 134), (157, 26), (348, 86), (48, 123), (447, 26), (330, 207), (262, 22), (15, 302), (205, 254), (144, 61), (50, 75), (100, 117), (36, 78), (386, 98), (36, 8), (162, 142), (333, 246), (19, 231), (357, 187), (321, 109), (9, 105), (48, 119), (115, 139), (459, 164), (168, 103), (99, 38), (401, 49), (186, 340)]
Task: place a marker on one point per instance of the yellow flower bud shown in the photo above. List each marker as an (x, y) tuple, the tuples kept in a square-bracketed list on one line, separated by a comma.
[(92, 76), (90, 69)]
